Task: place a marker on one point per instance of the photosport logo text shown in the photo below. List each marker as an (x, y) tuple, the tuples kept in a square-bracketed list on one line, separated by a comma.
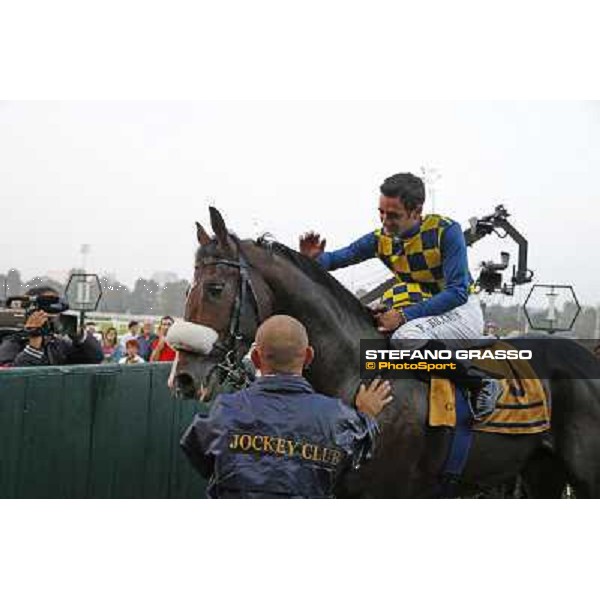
[(397, 363)]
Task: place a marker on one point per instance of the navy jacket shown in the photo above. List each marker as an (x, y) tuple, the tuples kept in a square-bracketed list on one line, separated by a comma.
[(277, 438)]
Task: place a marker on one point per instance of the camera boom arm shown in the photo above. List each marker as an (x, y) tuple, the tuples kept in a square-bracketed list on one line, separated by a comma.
[(490, 224)]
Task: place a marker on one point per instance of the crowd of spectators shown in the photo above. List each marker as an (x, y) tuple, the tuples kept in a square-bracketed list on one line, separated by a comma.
[(139, 344)]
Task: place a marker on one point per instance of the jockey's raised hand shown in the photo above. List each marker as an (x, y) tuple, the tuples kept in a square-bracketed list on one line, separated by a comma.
[(311, 244)]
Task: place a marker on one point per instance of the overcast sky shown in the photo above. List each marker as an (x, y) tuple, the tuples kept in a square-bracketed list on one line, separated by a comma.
[(131, 178)]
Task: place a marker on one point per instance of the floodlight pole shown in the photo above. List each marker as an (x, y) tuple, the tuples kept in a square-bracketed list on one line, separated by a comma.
[(84, 250), (430, 175)]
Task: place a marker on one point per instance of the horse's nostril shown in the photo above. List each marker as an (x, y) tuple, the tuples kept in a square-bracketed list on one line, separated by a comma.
[(184, 385)]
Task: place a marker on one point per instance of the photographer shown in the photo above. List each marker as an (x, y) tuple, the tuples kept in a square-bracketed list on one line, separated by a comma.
[(42, 344)]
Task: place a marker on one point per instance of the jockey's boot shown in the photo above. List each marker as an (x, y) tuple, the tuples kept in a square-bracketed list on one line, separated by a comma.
[(484, 392)]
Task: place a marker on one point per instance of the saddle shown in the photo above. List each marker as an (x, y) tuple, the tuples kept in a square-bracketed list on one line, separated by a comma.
[(523, 407)]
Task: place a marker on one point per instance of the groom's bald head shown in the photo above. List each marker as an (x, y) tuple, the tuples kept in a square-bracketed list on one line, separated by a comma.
[(282, 345)]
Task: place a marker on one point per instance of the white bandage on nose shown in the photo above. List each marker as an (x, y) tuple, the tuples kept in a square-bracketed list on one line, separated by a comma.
[(191, 337)]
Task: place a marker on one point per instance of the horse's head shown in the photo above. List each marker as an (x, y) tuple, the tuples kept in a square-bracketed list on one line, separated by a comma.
[(225, 304)]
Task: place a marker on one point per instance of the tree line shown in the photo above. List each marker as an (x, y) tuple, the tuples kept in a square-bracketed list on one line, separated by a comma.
[(147, 297)]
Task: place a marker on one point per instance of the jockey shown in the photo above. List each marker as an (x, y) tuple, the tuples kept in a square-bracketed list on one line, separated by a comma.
[(433, 297)]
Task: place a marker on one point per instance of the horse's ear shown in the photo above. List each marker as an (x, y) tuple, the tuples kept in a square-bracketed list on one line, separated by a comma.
[(218, 226), (203, 237)]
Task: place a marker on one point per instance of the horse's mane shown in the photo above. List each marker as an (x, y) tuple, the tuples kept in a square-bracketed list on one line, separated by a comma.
[(311, 268), (314, 271)]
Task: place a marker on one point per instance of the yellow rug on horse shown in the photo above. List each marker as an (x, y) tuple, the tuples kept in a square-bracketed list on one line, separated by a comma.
[(522, 408)]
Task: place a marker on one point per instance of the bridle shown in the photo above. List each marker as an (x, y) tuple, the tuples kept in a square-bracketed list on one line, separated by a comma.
[(228, 352)]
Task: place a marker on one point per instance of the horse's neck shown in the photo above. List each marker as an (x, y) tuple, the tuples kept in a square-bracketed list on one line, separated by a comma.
[(335, 370), (334, 333)]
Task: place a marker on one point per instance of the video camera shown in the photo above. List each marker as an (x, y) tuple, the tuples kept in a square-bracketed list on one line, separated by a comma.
[(18, 309), (490, 276)]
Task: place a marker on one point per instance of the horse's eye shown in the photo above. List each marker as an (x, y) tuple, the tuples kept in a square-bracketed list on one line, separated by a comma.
[(214, 289)]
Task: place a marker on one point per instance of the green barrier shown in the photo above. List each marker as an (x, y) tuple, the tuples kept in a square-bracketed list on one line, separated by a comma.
[(105, 431)]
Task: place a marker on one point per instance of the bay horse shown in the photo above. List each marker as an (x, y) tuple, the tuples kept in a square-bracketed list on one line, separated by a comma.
[(237, 284)]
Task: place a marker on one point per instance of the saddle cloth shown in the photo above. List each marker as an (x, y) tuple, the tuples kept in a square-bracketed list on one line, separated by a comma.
[(522, 408)]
